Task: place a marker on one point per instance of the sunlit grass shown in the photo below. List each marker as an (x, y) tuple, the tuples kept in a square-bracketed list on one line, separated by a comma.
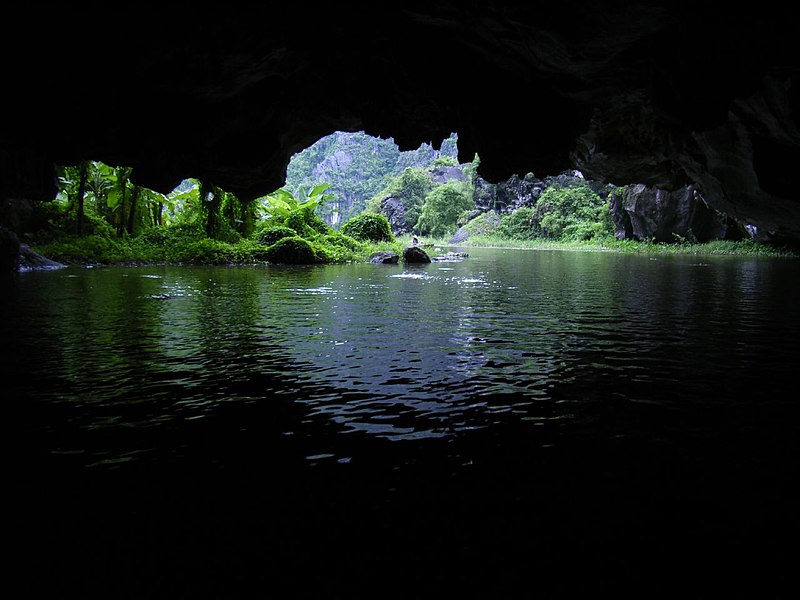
[(98, 249), (718, 247)]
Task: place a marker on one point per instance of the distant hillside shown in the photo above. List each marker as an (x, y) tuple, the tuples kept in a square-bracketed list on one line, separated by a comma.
[(357, 166)]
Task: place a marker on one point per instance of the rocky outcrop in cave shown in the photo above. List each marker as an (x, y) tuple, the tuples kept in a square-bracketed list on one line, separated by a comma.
[(659, 94)]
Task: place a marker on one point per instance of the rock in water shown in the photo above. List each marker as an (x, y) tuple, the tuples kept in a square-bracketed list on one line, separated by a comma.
[(384, 258), (415, 254)]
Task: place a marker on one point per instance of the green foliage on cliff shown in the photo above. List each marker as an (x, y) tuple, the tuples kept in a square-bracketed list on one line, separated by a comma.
[(518, 225), (484, 224), (571, 213), (442, 207), (354, 165), (409, 189), (357, 167)]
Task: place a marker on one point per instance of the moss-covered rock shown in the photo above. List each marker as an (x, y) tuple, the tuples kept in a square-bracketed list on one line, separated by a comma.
[(369, 227), (291, 250), (269, 236)]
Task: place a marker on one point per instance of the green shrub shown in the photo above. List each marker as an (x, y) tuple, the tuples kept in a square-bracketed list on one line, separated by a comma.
[(370, 227), (484, 224), (269, 236), (571, 213), (89, 249), (154, 236), (186, 232), (518, 225), (337, 248), (344, 241), (291, 250), (203, 252), (306, 223), (442, 208)]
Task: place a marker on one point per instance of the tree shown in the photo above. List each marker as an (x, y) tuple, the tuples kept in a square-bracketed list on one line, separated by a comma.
[(281, 203), (571, 213), (122, 186), (84, 175), (442, 208)]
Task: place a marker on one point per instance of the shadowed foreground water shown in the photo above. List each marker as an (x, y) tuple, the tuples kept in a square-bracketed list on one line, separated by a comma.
[(520, 424)]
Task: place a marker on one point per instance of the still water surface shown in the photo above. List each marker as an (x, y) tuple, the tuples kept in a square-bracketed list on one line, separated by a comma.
[(603, 406)]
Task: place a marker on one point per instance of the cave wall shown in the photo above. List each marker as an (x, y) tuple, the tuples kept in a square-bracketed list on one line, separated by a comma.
[(652, 93)]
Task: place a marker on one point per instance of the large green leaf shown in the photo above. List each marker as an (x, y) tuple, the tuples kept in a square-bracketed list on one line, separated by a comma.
[(318, 189), (112, 198)]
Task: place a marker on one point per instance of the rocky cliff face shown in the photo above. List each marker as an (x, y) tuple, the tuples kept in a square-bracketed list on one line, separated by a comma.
[(639, 212), (358, 166), (741, 164), (651, 214)]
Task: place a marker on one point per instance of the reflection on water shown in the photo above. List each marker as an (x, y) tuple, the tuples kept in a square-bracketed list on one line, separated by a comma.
[(399, 352), (567, 422)]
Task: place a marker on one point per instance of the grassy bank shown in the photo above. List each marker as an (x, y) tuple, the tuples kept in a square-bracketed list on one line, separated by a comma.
[(719, 247), (73, 250)]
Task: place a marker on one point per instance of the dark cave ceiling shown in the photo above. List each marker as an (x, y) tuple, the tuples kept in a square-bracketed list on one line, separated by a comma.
[(643, 92)]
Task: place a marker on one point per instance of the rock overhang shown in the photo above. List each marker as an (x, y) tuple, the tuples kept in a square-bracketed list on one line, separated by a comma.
[(641, 92)]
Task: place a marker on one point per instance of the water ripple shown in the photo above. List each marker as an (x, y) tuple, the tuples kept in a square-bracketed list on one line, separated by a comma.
[(432, 352)]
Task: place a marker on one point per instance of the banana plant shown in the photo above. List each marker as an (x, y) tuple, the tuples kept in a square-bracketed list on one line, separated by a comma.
[(281, 203)]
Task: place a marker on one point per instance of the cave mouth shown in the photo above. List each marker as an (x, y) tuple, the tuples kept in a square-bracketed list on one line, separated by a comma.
[(366, 173), (657, 93)]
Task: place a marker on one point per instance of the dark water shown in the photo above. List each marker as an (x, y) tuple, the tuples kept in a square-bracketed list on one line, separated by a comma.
[(519, 424)]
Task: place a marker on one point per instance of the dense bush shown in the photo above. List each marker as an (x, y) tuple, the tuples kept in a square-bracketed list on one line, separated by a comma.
[(370, 227), (270, 235), (291, 250), (91, 249), (442, 208), (486, 223), (343, 241), (306, 223), (571, 213), (203, 252), (518, 225)]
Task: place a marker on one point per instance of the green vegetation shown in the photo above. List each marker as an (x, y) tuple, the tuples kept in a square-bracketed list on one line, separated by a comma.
[(367, 165), (369, 227), (100, 216), (442, 208), (561, 214), (409, 189), (358, 166), (715, 248)]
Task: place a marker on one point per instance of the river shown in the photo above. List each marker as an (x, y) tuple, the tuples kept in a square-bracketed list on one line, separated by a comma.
[(520, 423)]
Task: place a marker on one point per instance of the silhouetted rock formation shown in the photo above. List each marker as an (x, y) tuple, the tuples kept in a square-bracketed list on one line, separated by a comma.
[(650, 214), (663, 94)]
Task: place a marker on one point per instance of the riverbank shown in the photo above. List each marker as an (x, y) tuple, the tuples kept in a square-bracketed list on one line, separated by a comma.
[(94, 250), (718, 247)]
